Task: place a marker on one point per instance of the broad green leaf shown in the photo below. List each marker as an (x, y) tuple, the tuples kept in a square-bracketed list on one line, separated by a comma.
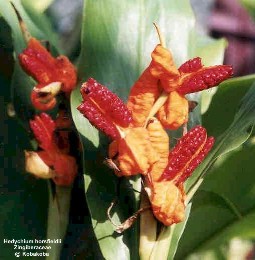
[(39, 6), (211, 223), (23, 198), (58, 217), (225, 104), (242, 116), (117, 40)]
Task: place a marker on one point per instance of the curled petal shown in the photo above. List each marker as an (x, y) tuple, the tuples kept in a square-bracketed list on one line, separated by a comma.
[(174, 113), (65, 170), (167, 201), (162, 65), (43, 128), (146, 89), (109, 104), (187, 154), (35, 165), (160, 143), (192, 65), (98, 120), (135, 152), (142, 96), (204, 78)]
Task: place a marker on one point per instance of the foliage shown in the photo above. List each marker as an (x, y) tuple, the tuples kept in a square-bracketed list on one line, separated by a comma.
[(116, 41)]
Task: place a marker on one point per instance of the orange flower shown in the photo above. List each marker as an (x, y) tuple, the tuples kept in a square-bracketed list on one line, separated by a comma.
[(163, 76), (54, 160), (166, 192), (146, 90), (52, 74)]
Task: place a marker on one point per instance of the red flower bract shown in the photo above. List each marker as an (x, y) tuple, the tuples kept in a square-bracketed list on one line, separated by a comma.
[(189, 152), (55, 147), (105, 110), (37, 62)]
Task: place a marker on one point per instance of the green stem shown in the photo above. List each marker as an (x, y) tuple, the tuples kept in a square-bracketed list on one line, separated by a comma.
[(58, 218), (148, 229)]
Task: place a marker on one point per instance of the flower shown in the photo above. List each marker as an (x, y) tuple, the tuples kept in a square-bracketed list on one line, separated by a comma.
[(53, 161), (163, 79), (165, 191), (140, 144), (131, 149), (52, 74)]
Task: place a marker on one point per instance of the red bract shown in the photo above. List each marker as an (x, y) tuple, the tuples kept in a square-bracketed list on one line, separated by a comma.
[(189, 152), (105, 110), (43, 128), (37, 62), (98, 120), (191, 65), (55, 147), (204, 78)]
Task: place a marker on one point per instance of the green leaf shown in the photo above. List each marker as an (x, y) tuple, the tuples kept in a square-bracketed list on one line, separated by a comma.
[(39, 6), (242, 116), (250, 6), (24, 199), (225, 104), (211, 222), (117, 41), (58, 217)]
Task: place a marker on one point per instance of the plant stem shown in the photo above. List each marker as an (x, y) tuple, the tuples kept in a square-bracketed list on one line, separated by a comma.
[(148, 229)]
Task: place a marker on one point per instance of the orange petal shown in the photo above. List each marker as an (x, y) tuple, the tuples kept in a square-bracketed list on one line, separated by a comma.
[(160, 143), (167, 201), (163, 68), (175, 111), (142, 96), (162, 65), (136, 154)]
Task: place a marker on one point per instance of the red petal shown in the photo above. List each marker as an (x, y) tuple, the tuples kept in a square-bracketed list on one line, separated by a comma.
[(205, 78)]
